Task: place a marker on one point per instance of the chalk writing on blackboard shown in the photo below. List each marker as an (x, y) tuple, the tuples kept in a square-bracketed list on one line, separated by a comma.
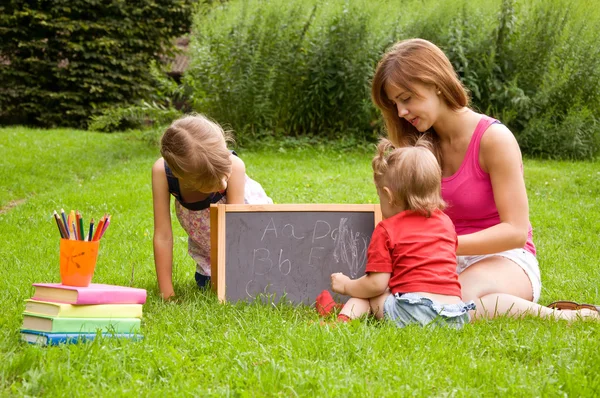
[(262, 251)]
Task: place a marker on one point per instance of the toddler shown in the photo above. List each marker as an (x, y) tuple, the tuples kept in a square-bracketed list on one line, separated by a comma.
[(411, 262)]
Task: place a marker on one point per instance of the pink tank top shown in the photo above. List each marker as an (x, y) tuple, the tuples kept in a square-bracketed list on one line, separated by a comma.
[(469, 194)]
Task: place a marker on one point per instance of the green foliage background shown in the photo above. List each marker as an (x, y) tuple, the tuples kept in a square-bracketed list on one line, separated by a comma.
[(298, 69), (63, 60), (291, 67)]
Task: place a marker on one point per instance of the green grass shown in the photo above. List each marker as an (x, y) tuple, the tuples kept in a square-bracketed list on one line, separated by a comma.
[(198, 347)]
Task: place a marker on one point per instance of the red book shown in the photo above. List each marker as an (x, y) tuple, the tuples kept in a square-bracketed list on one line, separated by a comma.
[(95, 293)]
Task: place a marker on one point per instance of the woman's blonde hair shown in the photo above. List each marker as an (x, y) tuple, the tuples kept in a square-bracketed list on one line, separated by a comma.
[(404, 64), (411, 173), (195, 148)]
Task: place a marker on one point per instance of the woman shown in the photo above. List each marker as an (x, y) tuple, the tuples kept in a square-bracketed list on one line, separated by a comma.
[(418, 91)]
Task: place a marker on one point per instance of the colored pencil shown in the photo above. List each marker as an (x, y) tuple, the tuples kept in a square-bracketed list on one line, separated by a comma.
[(64, 228), (57, 224), (71, 220), (90, 233), (106, 222), (60, 230), (98, 229), (81, 232), (76, 237), (77, 224), (64, 220)]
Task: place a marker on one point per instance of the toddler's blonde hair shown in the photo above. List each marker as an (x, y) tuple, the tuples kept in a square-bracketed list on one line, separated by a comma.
[(411, 173), (195, 148)]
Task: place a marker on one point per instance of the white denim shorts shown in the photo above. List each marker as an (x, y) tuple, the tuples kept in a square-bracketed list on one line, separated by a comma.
[(521, 257)]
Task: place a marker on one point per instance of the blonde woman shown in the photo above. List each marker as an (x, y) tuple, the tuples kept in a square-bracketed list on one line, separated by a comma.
[(197, 169)]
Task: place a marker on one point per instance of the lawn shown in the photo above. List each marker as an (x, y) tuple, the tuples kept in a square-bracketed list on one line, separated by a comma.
[(199, 347)]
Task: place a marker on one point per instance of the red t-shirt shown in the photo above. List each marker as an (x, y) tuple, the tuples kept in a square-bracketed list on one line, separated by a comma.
[(418, 251)]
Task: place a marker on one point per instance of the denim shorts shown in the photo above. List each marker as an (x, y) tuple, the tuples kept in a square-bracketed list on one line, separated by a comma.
[(521, 257), (412, 308)]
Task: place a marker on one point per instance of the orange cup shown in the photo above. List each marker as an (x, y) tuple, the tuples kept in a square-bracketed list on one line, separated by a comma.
[(78, 261)]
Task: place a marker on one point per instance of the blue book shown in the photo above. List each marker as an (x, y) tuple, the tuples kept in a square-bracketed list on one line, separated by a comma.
[(47, 338)]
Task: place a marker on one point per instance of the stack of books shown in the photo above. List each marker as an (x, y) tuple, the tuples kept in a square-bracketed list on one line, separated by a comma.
[(68, 314)]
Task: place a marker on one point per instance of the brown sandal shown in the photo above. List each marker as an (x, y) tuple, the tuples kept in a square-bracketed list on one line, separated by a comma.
[(590, 307), (572, 305)]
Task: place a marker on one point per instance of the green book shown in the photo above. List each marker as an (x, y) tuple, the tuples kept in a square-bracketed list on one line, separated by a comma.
[(44, 323)]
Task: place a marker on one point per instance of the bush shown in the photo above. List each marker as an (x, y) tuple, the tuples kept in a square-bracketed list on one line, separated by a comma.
[(296, 67), (290, 67), (537, 71), (63, 60), (167, 102)]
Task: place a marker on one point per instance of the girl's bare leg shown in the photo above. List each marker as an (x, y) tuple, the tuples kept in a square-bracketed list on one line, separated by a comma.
[(377, 302), (355, 308)]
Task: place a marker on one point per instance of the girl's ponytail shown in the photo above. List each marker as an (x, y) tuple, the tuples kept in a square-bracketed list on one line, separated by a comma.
[(380, 161), (411, 173)]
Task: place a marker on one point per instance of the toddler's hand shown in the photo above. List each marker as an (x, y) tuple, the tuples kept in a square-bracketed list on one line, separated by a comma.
[(338, 282)]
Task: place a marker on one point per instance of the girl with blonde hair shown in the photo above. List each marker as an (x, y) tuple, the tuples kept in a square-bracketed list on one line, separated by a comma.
[(411, 262), (197, 169)]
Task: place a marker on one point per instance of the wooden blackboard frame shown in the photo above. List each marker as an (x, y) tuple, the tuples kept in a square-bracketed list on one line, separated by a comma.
[(218, 214)]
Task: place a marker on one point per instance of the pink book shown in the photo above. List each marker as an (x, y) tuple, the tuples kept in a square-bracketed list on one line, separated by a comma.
[(95, 293)]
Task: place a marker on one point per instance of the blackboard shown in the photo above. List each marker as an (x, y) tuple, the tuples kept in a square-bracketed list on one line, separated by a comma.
[(275, 252)]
